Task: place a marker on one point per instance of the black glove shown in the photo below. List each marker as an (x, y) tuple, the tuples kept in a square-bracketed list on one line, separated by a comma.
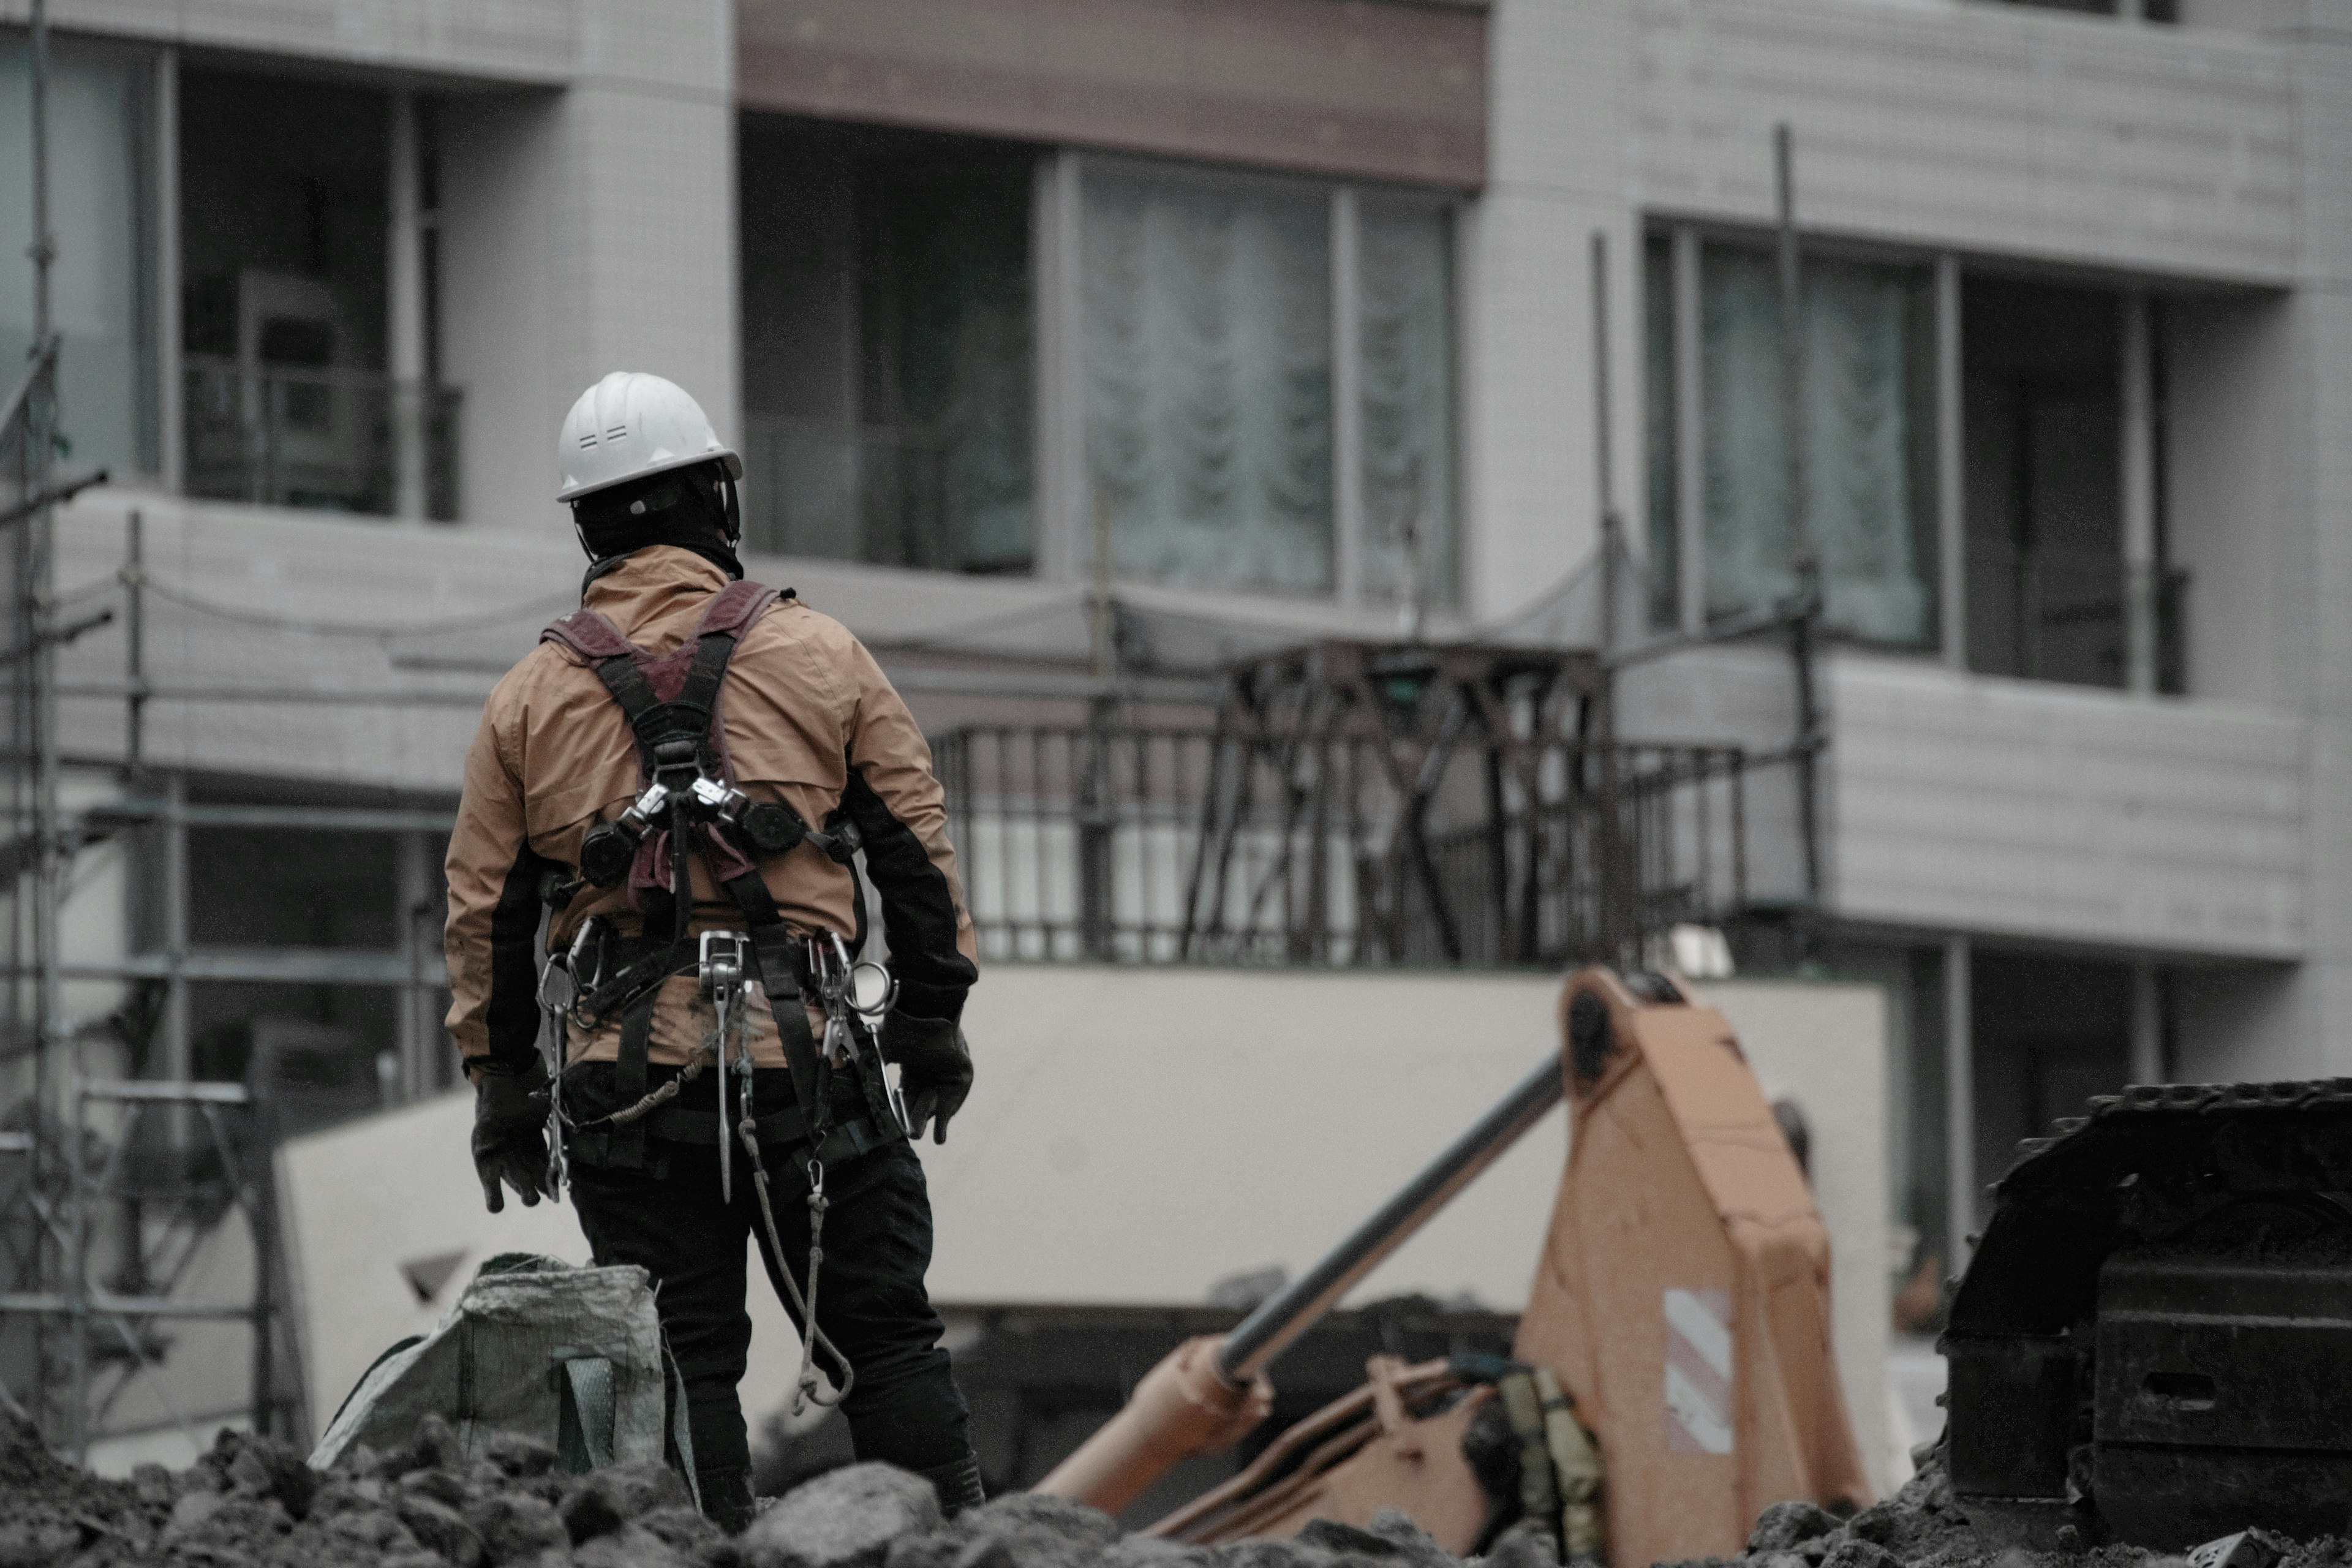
[(510, 1132), (934, 1070)]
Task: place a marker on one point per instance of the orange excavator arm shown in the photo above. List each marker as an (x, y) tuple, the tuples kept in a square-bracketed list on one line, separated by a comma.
[(1681, 1300)]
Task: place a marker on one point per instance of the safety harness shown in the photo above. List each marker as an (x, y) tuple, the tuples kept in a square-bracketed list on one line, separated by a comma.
[(689, 805)]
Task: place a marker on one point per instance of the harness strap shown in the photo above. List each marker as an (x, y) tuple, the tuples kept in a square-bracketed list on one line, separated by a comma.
[(788, 1127)]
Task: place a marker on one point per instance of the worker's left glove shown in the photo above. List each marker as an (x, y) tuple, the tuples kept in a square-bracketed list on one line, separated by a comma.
[(510, 1132), (934, 1070)]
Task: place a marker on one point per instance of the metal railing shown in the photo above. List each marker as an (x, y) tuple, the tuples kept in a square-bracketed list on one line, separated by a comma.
[(336, 440), (1119, 843), (2071, 615)]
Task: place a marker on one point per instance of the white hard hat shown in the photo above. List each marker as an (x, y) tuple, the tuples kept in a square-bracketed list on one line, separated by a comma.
[(630, 424)]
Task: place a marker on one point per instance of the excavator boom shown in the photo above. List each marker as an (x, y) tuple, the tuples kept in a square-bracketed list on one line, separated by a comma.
[(1681, 1302)]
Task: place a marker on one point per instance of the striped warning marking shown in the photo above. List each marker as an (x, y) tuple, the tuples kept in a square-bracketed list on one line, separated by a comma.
[(1698, 1371)]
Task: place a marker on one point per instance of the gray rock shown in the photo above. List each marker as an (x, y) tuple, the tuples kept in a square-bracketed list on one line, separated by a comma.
[(517, 1528), (35, 1542), (1852, 1553), (630, 1546), (519, 1454), (1019, 1529), (1150, 1551), (1785, 1526), (433, 1448), (375, 1527), (1409, 1541), (843, 1519), (686, 1528), (439, 1485), (191, 1512), (610, 1497), (440, 1529), (1522, 1546), (1270, 1554)]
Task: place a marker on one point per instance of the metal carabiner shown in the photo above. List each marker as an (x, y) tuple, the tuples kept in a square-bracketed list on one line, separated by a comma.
[(721, 976)]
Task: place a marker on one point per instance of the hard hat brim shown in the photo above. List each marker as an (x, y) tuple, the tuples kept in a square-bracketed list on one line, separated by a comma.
[(726, 455)]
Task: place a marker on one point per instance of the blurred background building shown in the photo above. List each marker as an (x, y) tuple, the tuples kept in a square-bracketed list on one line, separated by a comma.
[(1078, 349)]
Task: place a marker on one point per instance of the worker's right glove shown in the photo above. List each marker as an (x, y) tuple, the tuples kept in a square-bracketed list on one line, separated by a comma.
[(934, 1070), (510, 1132)]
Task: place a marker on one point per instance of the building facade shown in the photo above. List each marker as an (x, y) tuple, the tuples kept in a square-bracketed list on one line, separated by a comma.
[(1075, 347)]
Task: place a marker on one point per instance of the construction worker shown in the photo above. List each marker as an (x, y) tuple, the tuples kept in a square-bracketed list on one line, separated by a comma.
[(717, 1064)]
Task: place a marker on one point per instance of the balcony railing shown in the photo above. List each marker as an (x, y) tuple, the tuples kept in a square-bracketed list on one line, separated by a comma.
[(1144, 845), (2071, 616), (336, 440)]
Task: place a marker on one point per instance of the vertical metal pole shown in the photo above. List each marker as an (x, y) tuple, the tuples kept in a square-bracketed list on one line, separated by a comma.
[(1690, 434), (1620, 895), (1960, 1103), (134, 628), (2139, 490), (2147, 1064), (411, 907), (178, 1064), (1951, 454), (404, 325), (1352, 543), (1803, 561), (1793, 342), (1603, 468), (171, 364), (40, 439)]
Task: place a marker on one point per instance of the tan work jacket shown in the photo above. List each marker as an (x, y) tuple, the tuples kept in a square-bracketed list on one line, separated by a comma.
[(810, 719)]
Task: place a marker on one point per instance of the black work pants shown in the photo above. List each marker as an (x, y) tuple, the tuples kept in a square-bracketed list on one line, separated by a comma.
[(668, 1218)]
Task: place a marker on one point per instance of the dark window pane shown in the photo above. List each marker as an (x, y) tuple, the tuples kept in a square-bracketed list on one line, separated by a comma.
[(888, 347)]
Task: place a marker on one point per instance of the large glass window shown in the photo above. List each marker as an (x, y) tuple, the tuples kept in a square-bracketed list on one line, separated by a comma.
[(101, 214), (1208, 380), (1404, 386), (888, 347), (1866, 417), (1221, 315)]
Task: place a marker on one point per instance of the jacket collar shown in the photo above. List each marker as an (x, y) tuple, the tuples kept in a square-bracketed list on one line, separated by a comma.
[(653, 584)]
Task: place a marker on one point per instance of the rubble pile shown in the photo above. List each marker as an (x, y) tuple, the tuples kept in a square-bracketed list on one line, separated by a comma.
[(1921, 1527), (253, 1503)]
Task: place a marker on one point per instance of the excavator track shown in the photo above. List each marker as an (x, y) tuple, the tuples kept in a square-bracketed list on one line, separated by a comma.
[(2152, 1339)]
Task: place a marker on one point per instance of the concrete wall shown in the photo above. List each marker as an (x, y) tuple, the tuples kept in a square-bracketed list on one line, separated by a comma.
[(1997, 129), (1560, 97), (1127, 1133), (2022, 808)]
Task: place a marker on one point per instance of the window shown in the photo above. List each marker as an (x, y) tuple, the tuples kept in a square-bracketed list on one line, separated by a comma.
[(102, 127), (290, 216), (1866, 413), (1267, 383), (1249, 379), (2052, 593), (888, 347)]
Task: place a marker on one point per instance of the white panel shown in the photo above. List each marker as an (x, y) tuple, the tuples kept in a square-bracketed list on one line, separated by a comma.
[(1984, 126), (2010, 807), (519, 41), (501, 159), (1131, 1165)]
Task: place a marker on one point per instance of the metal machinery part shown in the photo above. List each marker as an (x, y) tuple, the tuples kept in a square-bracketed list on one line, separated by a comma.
[(1681, 1300), (2153, 1342)]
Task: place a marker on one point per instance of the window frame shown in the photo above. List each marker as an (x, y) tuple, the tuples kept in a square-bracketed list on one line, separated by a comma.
[(1687, 240), (1067, 529)]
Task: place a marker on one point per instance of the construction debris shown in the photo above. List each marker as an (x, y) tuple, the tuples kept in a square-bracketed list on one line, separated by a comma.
[(254, 1503)]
